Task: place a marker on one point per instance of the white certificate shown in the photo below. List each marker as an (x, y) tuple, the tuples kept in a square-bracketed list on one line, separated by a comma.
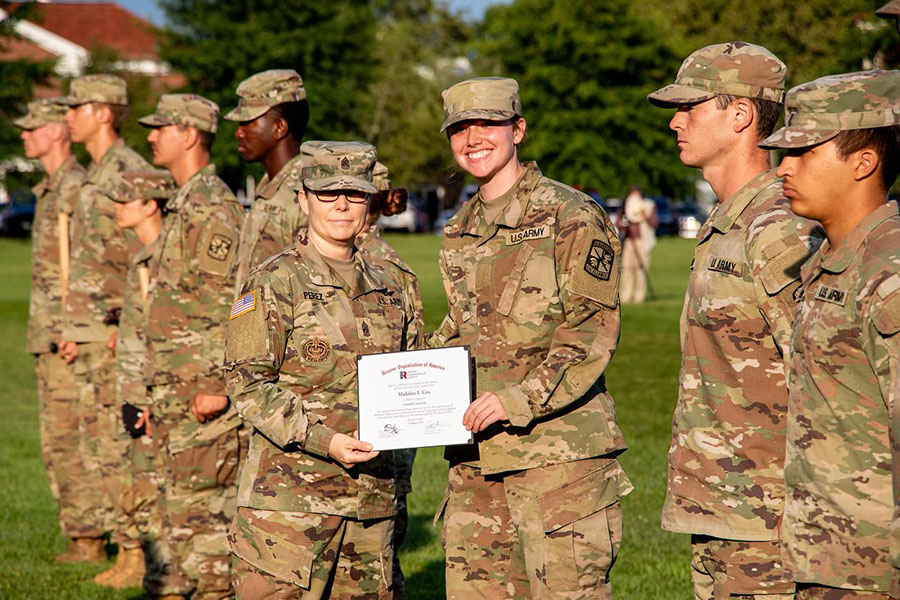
[(414, 399)]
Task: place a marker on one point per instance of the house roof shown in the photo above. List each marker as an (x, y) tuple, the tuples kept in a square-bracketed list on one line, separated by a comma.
[(89, 24)]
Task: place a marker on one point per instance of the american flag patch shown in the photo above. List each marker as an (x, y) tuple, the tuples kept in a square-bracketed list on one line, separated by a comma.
[(243, 305)]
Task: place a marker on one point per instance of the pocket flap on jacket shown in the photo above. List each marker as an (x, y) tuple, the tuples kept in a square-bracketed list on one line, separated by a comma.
[(193, 433), (584, 496)]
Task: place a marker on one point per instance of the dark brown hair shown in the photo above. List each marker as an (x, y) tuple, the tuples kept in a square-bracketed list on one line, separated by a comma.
[(767, 112), (885, 141)]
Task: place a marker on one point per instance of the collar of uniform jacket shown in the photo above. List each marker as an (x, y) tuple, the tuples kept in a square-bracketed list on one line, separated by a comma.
[(52, 182), (512, 216), (367, 274), (728, 211), (267, 189), (851, 247), (144, 254), (177, 201), (95, 169)]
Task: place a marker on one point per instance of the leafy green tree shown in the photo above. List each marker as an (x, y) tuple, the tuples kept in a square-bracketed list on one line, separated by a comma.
[(218, 44), (584, 70)]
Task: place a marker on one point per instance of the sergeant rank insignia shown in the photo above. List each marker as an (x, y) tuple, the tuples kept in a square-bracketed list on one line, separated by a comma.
[(219, 247), (599, 260), (345, 164), (315, 349)]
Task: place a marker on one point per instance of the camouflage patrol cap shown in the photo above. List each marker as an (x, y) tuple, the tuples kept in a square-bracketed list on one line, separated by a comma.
[(733, 68), (258, 93), (41, 112), (380, 177), (144, 184), (889, 10), (184, 109), (491, 98), (338, 166), (108, 89), (817, 111)]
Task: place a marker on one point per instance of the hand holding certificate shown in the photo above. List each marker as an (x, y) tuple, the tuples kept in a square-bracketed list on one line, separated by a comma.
[(414, 399)]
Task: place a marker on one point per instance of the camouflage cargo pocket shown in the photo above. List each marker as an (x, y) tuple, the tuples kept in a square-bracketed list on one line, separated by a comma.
[(208, 465)]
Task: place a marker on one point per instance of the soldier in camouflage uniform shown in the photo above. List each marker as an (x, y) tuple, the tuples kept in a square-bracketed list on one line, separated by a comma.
[(46, 138), (100, 256), (194, 425), (727, 455), (139, 202), (272, 115), (842, 136), (531, 270), (316, 505), (391, 201)]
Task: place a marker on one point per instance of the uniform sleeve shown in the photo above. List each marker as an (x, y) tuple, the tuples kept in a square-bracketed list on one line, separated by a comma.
[(588, 263), (69, 189), (211, 247), (414, 335), (255, 344), (448, 331)]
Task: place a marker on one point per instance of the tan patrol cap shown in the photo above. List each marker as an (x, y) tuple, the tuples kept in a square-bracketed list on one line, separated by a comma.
[(258, 93), (144, 184), (184, 109), (41, 112), (338, 166), (733, 68), (817, 111), (380, 177), (889, 10), (108, 89), (491, 98)]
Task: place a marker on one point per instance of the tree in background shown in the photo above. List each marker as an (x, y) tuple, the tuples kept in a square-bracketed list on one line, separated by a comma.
[(585, 69), (218, 44)]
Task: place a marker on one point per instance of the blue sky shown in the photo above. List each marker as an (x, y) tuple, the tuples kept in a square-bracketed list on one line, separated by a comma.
[(148, 8)]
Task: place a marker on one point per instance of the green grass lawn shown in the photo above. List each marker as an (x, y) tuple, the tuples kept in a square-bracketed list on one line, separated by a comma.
[(653, 565)]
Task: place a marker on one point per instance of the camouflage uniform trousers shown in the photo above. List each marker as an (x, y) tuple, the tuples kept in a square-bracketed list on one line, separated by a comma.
[(496, 545), (67, 471), (819, 592), (145, 492), (197, 502), (728, 569), (310, 556), (103, 444)]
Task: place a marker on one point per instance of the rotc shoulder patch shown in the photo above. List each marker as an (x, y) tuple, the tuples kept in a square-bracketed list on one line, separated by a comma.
[(599, 261), (243, 305)]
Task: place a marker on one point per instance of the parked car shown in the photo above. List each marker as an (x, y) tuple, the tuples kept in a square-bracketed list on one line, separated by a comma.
[(667, 220), (689, 221), (17, 215)]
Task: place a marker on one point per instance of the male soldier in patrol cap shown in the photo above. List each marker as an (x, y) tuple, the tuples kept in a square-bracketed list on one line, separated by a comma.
[(139, 202), (531, 269), (46, 138), (726, 460), (100, 255), (195, 427), (272, 113), (842, 136)]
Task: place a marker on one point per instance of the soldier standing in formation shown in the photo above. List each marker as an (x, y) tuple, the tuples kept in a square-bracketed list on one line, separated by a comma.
[(272, 115), (531, 271), (100, 255), (726, 480), (46, 138), (315, 504), (194, 425), (139, 203), (842, 136)]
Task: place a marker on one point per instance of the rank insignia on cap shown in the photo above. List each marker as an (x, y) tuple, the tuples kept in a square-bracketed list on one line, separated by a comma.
[(243, 305), (599, 260), (219, 247), (345, 163), (315, 349)]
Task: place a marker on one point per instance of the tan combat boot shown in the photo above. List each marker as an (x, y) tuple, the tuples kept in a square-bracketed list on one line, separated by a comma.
[(84, 550), (130, 573)]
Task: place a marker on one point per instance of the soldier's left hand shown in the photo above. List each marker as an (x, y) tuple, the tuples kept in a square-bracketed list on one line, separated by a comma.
[(111, 344), (484, 412), (206, 406)]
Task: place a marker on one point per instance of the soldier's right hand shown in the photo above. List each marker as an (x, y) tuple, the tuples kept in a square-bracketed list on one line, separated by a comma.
[(68, 351), (349, 450), (144, 421)]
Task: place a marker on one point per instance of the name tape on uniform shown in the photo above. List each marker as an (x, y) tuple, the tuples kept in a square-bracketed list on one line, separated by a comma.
[(532, 233)]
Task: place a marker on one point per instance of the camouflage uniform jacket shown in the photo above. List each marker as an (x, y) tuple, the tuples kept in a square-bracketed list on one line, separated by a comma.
[(192, 284), (131, 344), (535, 297), (274, 219), (100, 249), (371, 243), (726, 460), (55, 194), (291, 351), (843, 381)]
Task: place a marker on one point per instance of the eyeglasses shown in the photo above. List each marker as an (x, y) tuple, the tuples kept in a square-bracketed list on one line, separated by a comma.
[(352, 196)]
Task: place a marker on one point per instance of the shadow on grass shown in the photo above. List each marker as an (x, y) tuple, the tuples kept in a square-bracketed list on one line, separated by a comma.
[(427, 583), (420, 533)]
